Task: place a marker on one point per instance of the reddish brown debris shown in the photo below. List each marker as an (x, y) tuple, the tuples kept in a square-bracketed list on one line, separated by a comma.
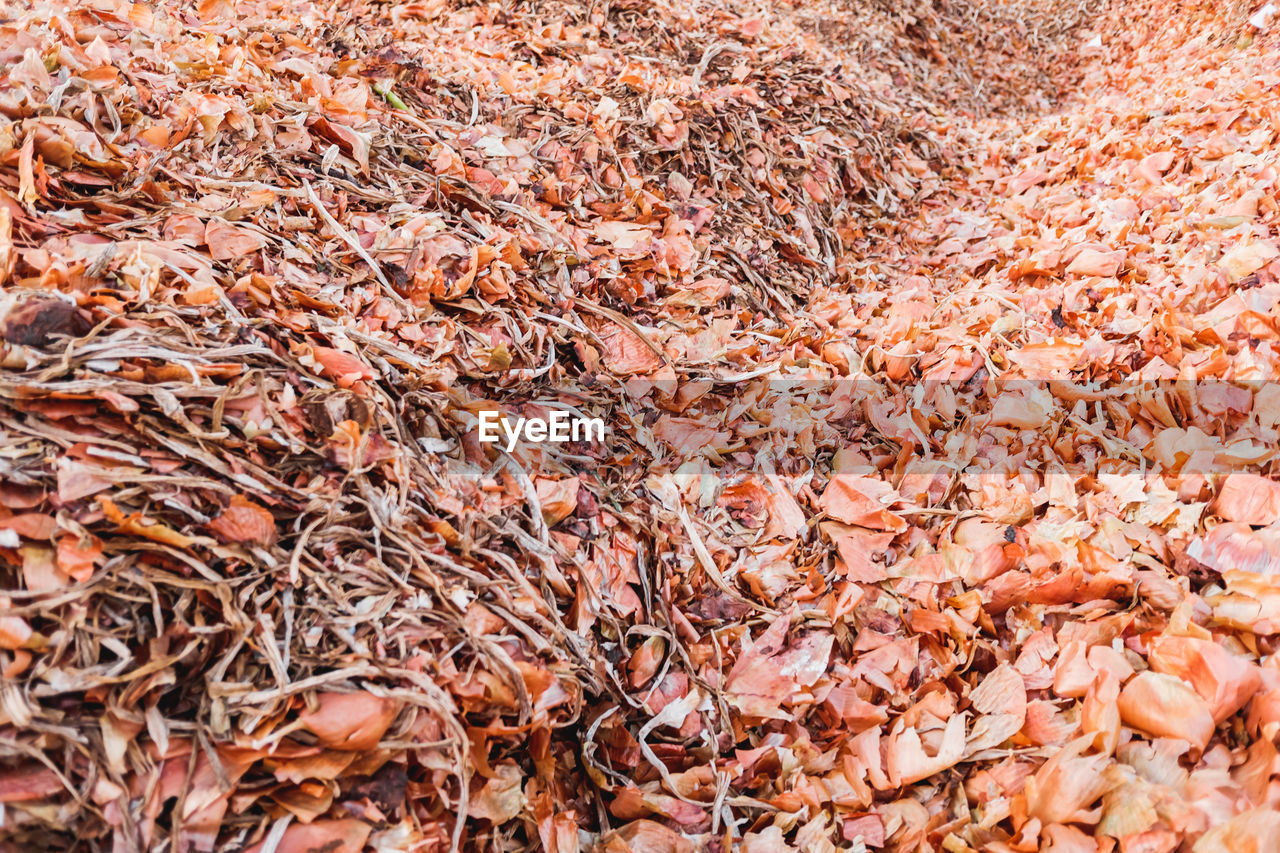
[(937, 344)]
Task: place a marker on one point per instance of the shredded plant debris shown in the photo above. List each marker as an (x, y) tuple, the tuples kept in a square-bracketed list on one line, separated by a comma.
[(933, 343)]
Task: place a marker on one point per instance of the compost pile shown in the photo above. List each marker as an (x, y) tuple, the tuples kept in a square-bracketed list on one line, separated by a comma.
[(936, 344)]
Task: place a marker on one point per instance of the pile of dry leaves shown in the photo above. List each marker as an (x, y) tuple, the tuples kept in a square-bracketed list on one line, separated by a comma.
[(936, 343)]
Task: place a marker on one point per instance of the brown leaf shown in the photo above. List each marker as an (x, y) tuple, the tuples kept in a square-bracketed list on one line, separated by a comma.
[(246, 522), (40, 320)]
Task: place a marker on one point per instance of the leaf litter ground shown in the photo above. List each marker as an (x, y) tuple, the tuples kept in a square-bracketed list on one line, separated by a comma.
[(937, 348)]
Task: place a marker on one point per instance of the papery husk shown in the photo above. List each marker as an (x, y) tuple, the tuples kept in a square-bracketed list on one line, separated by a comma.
[(1067, 785), (1226, 681), (1253, 831), (936, 346), (1166, 706)]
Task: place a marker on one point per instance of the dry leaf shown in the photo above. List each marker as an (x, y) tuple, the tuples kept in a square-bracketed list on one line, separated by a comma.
[(227, 241), (1166, 706), (244, 521), (355, 721)]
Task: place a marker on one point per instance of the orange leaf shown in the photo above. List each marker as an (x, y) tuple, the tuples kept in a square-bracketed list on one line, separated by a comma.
[(907, 761), (861, 501), (1166, 707), (244, 521), (1094, 262), (1067, 784), (139, 525), (322, 836), (227, 241), (30, 525), (78, 560), (625, 352), (355, 721), (1248, 498), (1225, 680), (39, 571), (559, 498), (14, 632), (647, 836), (343, 368)]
